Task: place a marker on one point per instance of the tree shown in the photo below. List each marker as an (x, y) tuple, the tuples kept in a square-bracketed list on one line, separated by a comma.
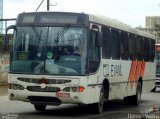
[(157, 30), (1, 41)]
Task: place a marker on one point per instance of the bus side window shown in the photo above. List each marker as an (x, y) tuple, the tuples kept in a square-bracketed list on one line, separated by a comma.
[(146, 49), (139, 48), (132, 46), (124, 49), (115, 44), (106, 46), (152, 50)]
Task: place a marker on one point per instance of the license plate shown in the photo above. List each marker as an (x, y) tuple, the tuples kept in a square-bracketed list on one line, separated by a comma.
[(63, 95)]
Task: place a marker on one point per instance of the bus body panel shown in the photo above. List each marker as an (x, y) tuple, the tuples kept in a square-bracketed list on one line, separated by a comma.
[(122, 75), (75, 97)]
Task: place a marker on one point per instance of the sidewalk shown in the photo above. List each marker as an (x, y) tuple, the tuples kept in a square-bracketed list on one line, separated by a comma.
[(3, 89)]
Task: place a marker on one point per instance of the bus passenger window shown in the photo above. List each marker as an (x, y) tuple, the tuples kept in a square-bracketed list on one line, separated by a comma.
[(146, 49), (139, 47), (106, 46), (132, 47), (152, 50), (115, 44), (124, 46)]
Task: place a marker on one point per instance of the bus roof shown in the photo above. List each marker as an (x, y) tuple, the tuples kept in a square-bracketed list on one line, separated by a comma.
[(99, 19), (118, 25)]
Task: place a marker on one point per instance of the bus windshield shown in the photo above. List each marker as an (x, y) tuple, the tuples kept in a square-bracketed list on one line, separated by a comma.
[(49, 50)]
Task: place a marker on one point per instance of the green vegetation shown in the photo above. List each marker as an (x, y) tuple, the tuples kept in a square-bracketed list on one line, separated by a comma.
[(1, 40), (157, 29), (10, 38)]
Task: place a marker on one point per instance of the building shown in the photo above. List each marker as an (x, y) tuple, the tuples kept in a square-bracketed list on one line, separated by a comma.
[(151, 21), (1, 16)]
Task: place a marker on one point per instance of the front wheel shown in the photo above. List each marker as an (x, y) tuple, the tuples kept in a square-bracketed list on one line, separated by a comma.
[(154, 89), (40, 107), (98, 107)]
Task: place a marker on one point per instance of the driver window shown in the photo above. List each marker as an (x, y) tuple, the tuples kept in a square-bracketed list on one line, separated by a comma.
[(94, 53)]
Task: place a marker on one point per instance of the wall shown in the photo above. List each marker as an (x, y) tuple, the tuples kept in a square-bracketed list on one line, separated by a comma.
[(4, 67)]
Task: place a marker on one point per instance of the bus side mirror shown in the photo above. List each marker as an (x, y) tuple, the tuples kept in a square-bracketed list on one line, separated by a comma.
[(6, 39), (99, 39)]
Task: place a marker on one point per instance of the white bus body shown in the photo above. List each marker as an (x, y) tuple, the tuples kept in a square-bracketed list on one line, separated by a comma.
[(104, 78)]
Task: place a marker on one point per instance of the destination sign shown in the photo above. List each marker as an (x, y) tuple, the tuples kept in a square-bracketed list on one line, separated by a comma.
[(52, 18), (58, 19)]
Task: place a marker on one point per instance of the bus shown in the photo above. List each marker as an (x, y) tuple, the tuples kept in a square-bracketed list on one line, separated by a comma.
[(77, 58), (157, 83)]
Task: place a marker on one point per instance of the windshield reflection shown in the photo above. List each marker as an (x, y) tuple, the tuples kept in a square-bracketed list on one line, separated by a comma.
[(49, 50)]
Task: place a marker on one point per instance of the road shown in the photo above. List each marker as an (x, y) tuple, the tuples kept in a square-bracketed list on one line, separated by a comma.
[(113, 109)]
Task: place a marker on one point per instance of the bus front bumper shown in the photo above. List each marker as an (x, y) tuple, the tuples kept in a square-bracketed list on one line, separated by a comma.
[(47, 98)]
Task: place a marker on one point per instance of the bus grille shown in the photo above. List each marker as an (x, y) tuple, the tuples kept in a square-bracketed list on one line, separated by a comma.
[(39, 89), (50, 81)]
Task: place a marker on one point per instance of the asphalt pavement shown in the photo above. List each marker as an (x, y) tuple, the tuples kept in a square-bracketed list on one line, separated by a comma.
[(148, 109)]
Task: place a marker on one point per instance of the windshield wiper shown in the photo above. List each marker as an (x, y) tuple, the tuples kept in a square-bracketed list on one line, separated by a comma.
[(40, 37), (62, 33)]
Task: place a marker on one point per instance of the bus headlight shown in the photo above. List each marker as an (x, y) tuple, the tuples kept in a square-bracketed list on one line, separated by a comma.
[(21, 87), (70, 89), (67, 89), (16, 86), (74, 89)]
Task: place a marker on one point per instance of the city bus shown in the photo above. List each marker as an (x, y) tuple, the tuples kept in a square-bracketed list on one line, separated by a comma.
[(77, 58)]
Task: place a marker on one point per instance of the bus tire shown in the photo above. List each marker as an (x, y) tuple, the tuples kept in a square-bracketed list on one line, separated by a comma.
[(135, 99), (98, 107), (154, 89), (40, 107)]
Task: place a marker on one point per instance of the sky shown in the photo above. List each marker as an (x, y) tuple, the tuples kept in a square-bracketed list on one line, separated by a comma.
[(131, 12)]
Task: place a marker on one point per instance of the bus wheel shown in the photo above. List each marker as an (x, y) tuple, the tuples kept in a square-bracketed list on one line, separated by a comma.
[(154, 89), (40, 107), (138, 93), (135, 99), (98, 107)]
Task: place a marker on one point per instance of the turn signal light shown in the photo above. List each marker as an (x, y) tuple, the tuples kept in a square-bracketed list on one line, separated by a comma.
[(81, 88)]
